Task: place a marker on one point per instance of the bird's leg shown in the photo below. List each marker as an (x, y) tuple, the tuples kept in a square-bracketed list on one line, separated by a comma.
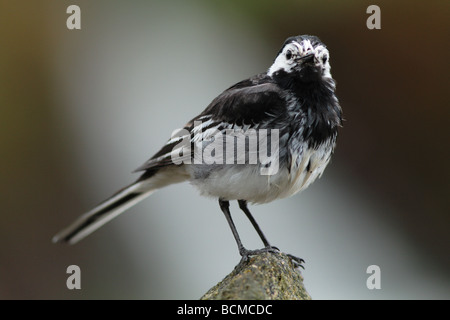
[(243, 206), (225, 207)]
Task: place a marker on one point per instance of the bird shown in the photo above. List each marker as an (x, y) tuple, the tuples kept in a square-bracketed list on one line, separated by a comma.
[(291, 109)]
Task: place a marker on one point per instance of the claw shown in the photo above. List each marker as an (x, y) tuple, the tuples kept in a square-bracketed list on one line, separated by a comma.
[(296, 261)]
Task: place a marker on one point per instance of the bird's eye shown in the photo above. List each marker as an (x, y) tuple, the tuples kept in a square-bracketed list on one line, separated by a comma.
[(289, 54), (324, 59)]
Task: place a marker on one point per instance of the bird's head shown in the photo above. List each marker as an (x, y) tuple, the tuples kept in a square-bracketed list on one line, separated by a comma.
[(304, 57)]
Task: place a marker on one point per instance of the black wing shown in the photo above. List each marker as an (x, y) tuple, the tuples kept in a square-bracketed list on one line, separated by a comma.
[(255, 103), (249, 102)]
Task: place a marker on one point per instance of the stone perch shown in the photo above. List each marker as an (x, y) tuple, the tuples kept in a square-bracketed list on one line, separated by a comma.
[(266, 276)]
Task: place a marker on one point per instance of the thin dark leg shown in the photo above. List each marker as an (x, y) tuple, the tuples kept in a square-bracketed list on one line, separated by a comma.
[(243, 206), (225, 207)]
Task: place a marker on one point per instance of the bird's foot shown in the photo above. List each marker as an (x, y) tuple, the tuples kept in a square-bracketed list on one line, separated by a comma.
[(296, 261), (248, 253)]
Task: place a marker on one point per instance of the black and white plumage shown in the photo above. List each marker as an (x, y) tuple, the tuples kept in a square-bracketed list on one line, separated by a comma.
[(296, 97)]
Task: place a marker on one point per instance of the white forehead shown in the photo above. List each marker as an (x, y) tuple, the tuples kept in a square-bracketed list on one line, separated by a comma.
[(300, 49)]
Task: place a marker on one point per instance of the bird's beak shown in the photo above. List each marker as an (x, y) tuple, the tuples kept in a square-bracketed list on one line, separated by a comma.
[(307, 58)]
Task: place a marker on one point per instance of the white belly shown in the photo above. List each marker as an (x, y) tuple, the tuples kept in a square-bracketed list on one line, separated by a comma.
[(245, 182)]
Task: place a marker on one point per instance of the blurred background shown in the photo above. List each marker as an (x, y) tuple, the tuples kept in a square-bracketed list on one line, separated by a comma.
[(81, 109)]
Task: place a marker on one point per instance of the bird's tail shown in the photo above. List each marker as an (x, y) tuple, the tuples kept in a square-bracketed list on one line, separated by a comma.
[(104, 212)]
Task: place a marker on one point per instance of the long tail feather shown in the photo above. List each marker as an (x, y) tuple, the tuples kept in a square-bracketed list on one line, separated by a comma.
[(104, 212)]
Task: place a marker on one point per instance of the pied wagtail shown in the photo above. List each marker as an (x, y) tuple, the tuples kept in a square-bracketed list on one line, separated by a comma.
[(295, 98)]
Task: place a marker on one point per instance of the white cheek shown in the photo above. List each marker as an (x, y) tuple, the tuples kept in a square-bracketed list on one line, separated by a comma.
[(280, 64), (322, 52), (326, 71)]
